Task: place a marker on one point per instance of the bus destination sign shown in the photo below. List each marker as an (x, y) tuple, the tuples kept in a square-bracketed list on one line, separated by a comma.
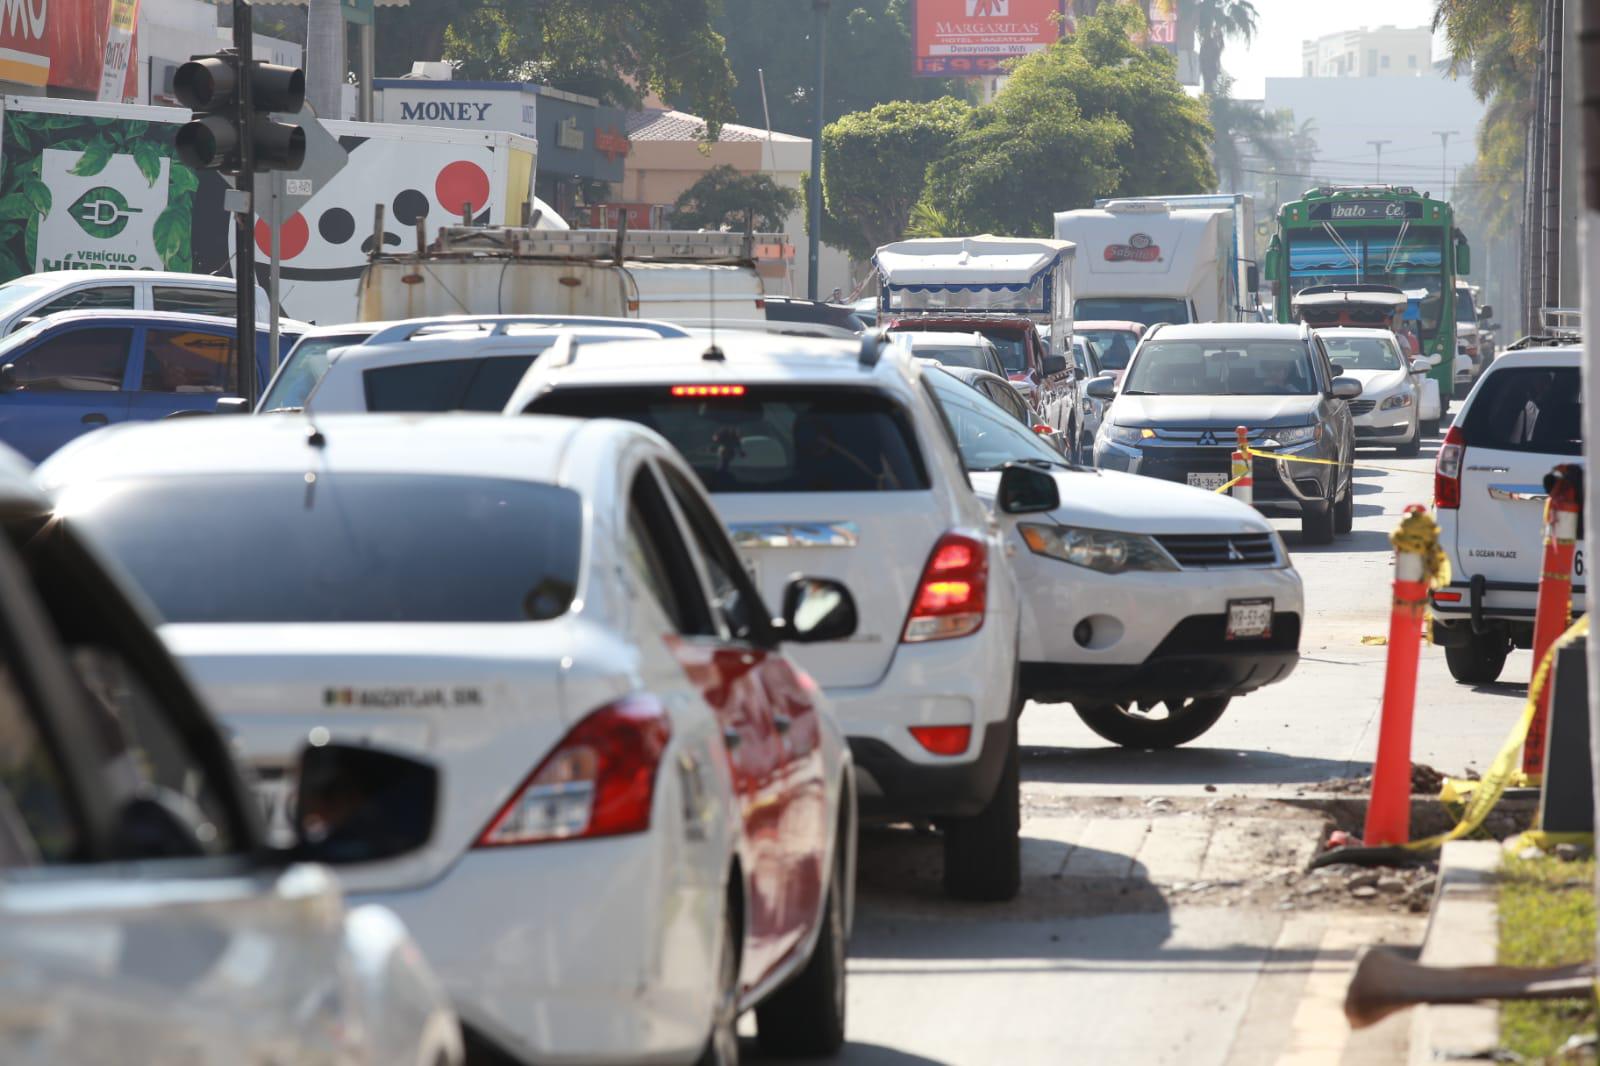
[(1365, 210)]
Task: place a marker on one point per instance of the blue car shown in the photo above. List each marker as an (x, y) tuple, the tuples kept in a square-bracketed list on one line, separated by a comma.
[(70, 373)]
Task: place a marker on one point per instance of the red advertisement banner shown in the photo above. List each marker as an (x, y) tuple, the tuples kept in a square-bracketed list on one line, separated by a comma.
[(59, 44), (972, 38)]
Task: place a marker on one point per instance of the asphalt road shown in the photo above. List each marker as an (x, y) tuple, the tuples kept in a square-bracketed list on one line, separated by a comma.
[(1109, 956)]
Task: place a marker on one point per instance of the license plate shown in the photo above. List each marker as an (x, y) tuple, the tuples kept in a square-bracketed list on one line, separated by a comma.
[(1210, 482), (1249, 619)]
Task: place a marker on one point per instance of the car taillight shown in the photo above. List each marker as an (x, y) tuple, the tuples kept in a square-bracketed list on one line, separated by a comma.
[(953, 591), (1447, 470), (943, 739), (598, 782), (706, 391)]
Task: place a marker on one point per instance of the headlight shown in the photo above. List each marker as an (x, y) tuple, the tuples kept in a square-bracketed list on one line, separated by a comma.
[(1097, 549), (1398, 400), (1128, 434), (1296, 434)]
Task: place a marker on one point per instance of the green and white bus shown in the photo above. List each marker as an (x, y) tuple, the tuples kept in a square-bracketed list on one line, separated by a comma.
[(1375, 234)]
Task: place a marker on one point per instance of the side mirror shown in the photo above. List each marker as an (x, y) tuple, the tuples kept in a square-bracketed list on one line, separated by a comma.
[(817, 609), (1346, 388), (1420, 366), (233, 405), (1339, 368), (1026, 489), (1274, 254), (1463, 257), (1103, 387), (1252, 276), (359, 804), (1054, 364), (1435, 359), (1486, 312)]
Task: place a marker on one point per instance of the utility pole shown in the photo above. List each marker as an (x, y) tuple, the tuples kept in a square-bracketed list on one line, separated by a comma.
[(1377, 146), (820, 8), (1550, 271), (244, 222), (1444, 157)]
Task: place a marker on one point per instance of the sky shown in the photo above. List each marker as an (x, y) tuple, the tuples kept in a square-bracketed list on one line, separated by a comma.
[(1282, 24)]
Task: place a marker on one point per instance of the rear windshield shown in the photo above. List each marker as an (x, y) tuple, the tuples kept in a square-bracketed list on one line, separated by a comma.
[(1146, 309), (445, 385), (1362, 353), (304, 368), (1465, 312), (1013, 350), (1528, 409), (1114, 346), (329, 547), (1221, 368), (770, 438), (976, 358)]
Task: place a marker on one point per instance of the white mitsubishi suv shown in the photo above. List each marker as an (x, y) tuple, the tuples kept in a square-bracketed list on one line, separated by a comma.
[(1523, 418), (830, 457)]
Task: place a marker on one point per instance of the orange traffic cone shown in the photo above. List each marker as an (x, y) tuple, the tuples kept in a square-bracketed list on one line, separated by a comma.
[(1561, 511)]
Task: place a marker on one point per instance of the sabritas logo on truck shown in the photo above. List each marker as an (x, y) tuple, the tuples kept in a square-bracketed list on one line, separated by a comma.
[(1139, 249), (103, 212)]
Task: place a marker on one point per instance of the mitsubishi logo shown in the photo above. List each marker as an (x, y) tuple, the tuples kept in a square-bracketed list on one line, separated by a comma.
[(1207, 437), (1234, 554)]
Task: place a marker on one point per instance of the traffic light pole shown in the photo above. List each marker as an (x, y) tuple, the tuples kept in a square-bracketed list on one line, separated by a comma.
[(244, 240)]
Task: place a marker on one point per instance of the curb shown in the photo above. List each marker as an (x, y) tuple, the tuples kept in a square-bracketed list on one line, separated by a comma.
[(1463, 930)]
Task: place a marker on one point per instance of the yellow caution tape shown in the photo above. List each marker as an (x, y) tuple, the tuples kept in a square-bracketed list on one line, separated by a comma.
[(1549, 841), (1374, 641), (1259, 454), (1418, 534), (1506, 765), (1225, 486)]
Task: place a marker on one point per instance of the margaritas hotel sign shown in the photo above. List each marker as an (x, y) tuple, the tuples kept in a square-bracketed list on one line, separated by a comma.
[(973, 37)]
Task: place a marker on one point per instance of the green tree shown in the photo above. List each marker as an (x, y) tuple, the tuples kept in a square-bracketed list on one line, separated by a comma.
[(873, 165), (1095, 115), (723, 198), (1237, 124)]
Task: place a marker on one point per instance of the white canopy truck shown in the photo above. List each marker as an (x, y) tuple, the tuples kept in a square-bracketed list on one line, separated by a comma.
[(1241, 208), (1147, 261), (685, 277)]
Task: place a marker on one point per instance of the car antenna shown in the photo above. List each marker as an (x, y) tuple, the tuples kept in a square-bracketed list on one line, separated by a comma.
[(713, 354)]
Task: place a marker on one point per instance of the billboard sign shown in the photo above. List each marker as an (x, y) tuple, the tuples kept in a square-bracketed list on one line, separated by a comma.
[(973, 38), (63, 44)]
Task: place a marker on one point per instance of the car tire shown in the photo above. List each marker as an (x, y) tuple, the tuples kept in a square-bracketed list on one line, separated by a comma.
[(1344, 511), (1479, 659), (1121, 724), (722, 1044), (1316, 524), (1431, 427), (805, 1018), (1413, 447), (983, 852)]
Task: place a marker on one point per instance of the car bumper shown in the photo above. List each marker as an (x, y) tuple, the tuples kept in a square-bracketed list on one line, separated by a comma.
[(1478, 604), (572, 952), (971, 682), (1392, 426), (1281, 487)]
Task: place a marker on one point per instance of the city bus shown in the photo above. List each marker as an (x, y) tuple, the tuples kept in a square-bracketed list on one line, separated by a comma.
[(1375, 234)]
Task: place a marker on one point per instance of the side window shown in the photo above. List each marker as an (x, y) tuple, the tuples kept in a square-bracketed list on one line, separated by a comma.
[(1324, 368), (38, 811), (985, 436), (82, 360), (660, 559), (734, 596), (100, 297), (186, 361), (1007, 398), (218, 302)]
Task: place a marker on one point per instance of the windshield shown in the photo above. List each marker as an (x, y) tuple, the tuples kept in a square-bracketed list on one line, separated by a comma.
[(303, 369), (976, 358), (1410, 258), (1217, 368), (769, 438), (1146, 310), (339, 548), (23, 291), (1466, 310), (1362, 353), (986, 436), (445, 385), (1113, 346), (1013, 351)]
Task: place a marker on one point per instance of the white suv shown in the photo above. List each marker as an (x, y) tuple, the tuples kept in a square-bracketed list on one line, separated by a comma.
[(1522, 419), (830, 457)]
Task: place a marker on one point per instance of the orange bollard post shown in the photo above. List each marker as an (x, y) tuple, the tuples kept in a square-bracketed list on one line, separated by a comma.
[(1244, 485), (1389, 811), (1554, 614)]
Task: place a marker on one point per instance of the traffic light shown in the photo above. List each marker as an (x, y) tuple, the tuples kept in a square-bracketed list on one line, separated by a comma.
[(211, 86)]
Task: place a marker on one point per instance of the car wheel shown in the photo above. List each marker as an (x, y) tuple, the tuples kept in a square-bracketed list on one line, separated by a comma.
[(1127, 725), (1431, 427), (1412, 447), (1344, 511), (722, 1046), (806, 1016), (1479, 659), (983, 852), (1316, 523)]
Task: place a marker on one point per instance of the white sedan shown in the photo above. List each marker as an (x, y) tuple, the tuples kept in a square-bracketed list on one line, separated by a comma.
[(1389, 409), (647, 816)]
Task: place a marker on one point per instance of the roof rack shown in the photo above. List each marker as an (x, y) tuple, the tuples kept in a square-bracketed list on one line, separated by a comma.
[(1544, 340), (522, 242), (501, 325), (1561, 319)]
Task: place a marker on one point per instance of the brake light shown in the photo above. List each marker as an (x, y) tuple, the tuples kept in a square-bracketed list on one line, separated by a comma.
[(683, 391), (953, 591), (598, 782), (1447, 597), (943, 739), (1447, 470)]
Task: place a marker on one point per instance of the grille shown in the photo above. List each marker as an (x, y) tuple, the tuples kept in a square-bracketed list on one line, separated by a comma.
[(1234, 549), (1361, 407)]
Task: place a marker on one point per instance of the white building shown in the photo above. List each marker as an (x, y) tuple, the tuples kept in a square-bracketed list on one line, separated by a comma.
[(1385, 52)]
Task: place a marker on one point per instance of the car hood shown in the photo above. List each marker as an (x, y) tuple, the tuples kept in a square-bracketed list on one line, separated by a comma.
[(1129, 503), (1376, 383), (1210, 412)]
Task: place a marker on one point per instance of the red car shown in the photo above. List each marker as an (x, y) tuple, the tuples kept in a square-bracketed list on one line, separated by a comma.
[(1114, 342)]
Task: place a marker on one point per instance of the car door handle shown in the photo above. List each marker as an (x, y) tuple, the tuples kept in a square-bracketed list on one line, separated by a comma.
[(94, 418), (1518, 492)]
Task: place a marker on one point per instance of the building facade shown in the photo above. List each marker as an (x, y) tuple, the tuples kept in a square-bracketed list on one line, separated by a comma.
[(1385, 52)]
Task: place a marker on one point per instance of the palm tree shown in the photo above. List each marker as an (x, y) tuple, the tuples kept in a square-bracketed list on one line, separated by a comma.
[(325, 62), (1236, 123), (1215, 23)]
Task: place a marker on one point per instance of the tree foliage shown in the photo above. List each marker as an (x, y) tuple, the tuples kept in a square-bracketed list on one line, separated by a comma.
[(723, 198), (873, 165), (1094, 115)]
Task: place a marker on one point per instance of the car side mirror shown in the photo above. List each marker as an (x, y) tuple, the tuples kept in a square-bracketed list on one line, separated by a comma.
[(1026, 489), (1054, 364), (233, 405), (359, 804), (1420, 366), (817, 609), (1346, 388), (1486, 312), (1102, 388), (1339, 368), (1435, 359)]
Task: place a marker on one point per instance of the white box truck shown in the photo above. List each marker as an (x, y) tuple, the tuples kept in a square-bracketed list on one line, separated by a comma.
[(691, 278), (86, 185), (1241, 207), (1147, 261)]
